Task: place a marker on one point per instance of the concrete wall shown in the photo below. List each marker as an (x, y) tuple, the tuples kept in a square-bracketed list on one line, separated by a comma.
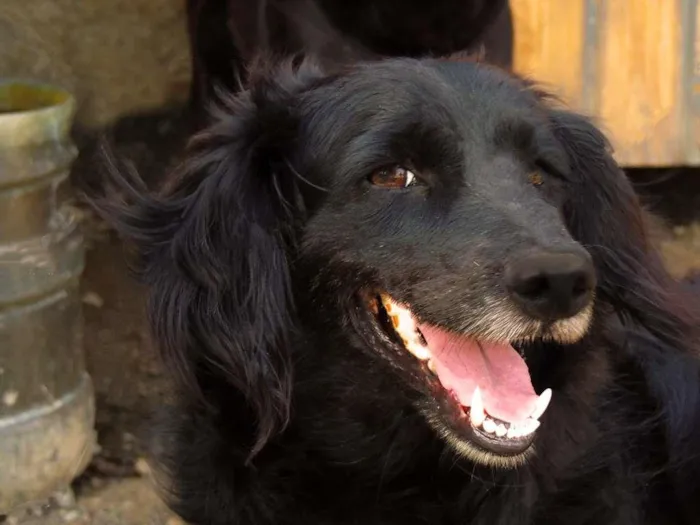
[(117, 56)]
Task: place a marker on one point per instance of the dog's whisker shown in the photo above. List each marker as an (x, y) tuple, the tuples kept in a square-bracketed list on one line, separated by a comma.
[(303, 179)]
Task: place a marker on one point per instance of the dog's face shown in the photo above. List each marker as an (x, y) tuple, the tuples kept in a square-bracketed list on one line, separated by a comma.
[(439, 215), (440, 231)]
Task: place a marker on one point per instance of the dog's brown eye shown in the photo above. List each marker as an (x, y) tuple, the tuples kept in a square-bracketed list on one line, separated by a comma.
[(393, 178)]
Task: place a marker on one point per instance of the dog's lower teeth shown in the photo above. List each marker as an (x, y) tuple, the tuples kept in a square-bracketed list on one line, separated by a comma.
[(510, 431), (489, 426)]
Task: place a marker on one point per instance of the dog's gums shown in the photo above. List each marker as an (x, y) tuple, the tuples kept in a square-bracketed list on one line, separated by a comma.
[(488, 382)]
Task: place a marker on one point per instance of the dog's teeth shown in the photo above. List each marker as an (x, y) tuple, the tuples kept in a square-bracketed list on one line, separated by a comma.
[(431, 366), (501, 430), (542, 404), (529, 427), (490, 426), (387, 302), (405, 326), (512, 433), (421, 352), (476, 411), (399, 315)]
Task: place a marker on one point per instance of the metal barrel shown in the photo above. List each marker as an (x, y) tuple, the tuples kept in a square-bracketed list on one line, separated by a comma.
[(46, 395)]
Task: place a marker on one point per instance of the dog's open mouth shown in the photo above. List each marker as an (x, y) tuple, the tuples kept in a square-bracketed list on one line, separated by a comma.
[(490, 382)]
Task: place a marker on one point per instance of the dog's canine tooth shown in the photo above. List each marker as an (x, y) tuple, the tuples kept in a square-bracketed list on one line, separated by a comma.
[(529, 427), (418, 351), (476, 411), (542, 404), (431, 366)]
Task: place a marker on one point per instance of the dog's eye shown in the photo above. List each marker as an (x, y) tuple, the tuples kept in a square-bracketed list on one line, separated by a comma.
[(393, 178)]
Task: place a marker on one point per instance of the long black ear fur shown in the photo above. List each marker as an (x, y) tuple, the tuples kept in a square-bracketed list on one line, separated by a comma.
[(214, 250), (661, 319)]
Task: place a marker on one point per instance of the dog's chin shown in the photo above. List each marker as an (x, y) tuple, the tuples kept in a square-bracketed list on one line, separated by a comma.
[(474, 385)]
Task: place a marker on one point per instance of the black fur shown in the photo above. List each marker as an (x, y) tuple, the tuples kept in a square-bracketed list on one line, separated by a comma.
[(291, 409), (225, 35)]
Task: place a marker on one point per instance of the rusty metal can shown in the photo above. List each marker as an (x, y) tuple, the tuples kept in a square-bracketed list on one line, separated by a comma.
[(46, 395)]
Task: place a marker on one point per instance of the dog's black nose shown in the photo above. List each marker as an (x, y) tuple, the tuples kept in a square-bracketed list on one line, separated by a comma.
[(551, 285)]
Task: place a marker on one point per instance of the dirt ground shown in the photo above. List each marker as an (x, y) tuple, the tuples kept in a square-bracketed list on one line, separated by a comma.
[(116, 490), (127, 501)]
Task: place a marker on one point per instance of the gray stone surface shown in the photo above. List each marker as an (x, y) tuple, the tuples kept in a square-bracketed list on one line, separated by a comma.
[(117, 56)]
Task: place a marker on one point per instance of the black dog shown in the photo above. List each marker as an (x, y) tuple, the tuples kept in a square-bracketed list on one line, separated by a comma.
[(368, 286)]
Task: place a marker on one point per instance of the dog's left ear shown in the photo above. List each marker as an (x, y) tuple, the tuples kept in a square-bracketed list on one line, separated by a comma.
[(661, 320), (215, 249)]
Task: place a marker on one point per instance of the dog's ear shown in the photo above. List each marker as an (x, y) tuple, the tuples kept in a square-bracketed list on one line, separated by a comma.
[(661, 319), (214, 250)]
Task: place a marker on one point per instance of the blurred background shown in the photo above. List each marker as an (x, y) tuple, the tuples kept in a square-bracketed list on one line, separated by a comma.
[(634, 65)]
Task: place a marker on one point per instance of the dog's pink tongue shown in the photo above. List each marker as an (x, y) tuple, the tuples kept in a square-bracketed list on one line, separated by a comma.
[(462, 364)]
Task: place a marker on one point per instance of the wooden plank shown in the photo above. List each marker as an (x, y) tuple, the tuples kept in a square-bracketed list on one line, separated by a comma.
[(628, 63), (640, 91), (692, 143), (549, 42)]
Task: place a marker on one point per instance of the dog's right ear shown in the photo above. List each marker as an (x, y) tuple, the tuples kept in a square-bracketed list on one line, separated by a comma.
[(214, 250)]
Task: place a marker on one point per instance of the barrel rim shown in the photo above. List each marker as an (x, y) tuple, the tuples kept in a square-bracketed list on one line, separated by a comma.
[(67, 99)]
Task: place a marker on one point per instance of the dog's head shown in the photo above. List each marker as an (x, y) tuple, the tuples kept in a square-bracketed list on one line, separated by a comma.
[(440, 213)]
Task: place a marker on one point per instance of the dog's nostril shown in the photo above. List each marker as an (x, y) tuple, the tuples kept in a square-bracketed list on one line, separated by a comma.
[(551, 285), (533, 288), (581, 284)]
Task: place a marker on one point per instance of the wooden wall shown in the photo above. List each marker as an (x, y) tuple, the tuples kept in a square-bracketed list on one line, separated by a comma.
[(632, 64)]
